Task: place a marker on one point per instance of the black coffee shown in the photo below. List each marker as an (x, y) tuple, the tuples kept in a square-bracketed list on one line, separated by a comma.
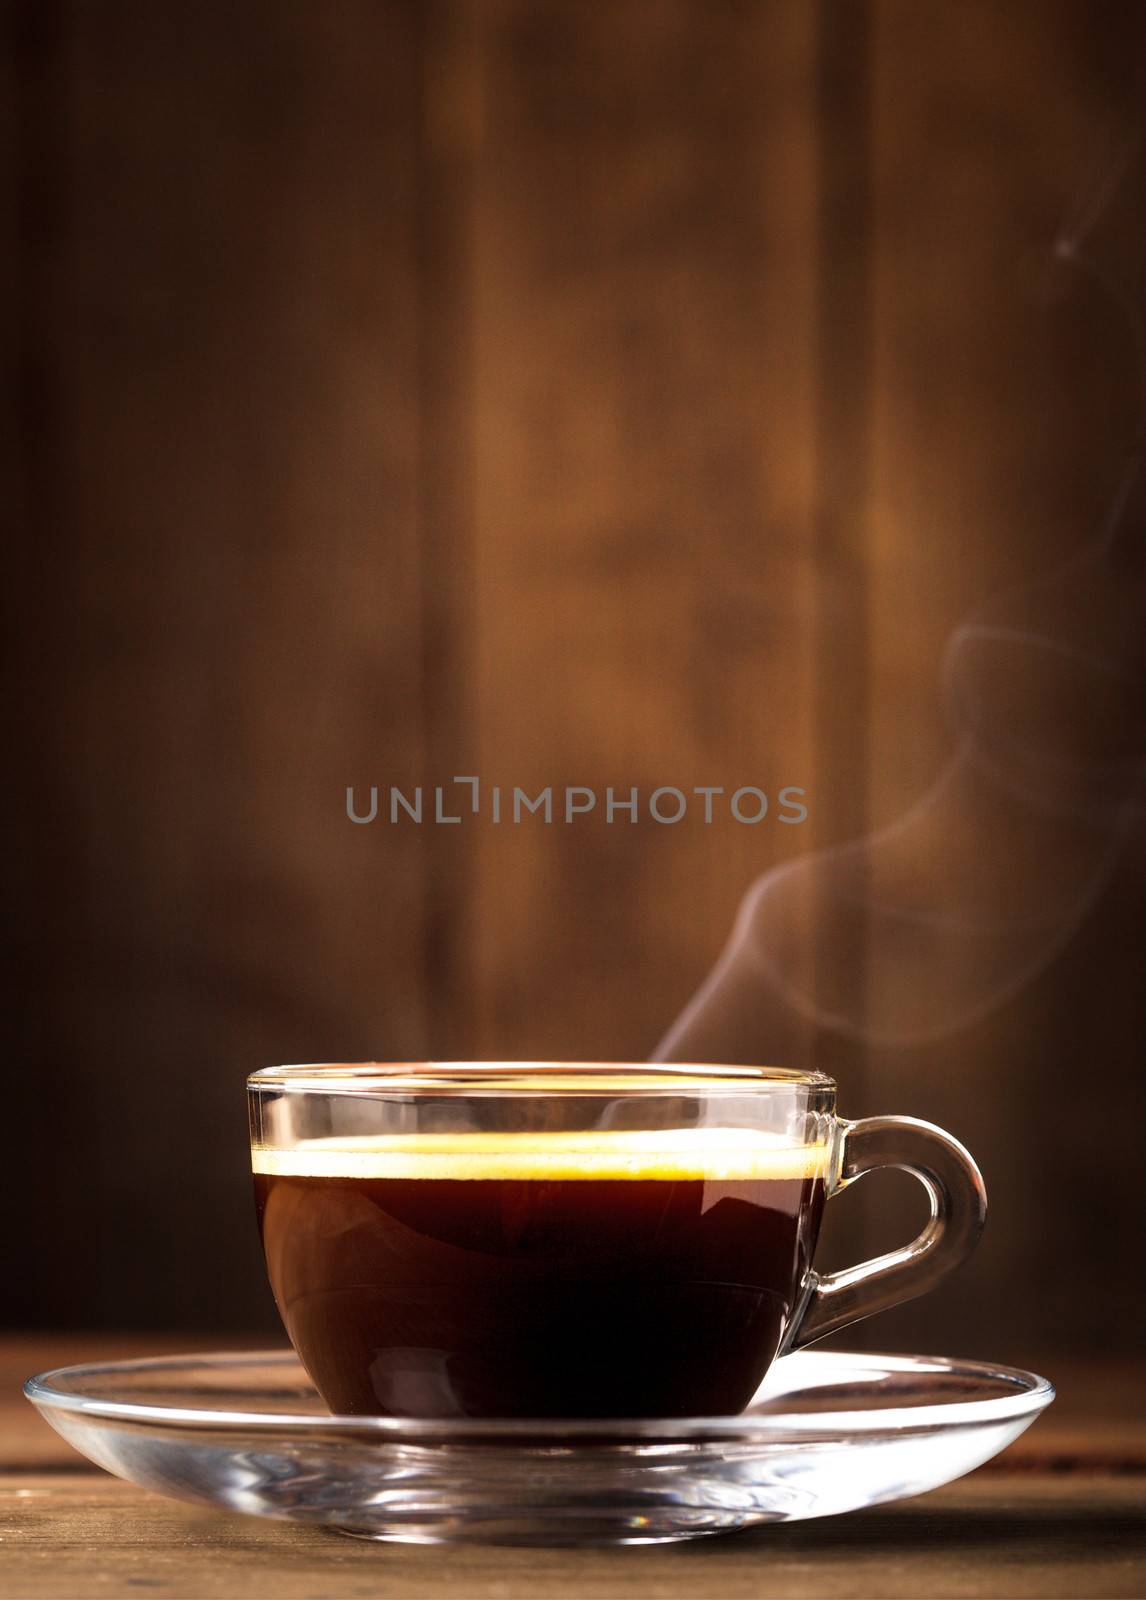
[(534, 1275)]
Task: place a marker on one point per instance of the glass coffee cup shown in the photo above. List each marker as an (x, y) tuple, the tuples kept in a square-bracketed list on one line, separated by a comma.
[(567, 1240)]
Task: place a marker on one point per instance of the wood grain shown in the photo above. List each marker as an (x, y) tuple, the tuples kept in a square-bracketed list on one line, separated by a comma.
[(1042, 1537), (642, 405), (1003, 401), (634, 394), (222, 577), (1061, 1513)]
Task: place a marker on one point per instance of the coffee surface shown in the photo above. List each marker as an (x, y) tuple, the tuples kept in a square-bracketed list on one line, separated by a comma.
[(540, 1274)]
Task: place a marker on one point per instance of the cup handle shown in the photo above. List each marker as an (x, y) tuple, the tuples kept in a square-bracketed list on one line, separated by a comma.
[(958, 1198)]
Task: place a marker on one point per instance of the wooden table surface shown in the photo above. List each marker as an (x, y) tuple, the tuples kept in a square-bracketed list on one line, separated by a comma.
[(1062, 1514)]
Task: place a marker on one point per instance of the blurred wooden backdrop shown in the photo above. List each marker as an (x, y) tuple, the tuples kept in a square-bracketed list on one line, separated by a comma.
[(565, 393)]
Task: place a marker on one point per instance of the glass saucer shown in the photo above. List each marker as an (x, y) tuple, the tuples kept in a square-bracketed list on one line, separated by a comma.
[(826, 1433)]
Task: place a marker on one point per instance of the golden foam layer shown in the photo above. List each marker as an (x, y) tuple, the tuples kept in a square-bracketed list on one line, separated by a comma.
[(712, 1154)]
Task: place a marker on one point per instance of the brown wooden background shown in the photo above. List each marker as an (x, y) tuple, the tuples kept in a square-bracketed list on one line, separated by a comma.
[(566, 393)]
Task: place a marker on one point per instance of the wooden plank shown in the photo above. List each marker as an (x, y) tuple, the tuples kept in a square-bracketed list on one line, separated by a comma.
[(642, 393), (307, 364), (228, 328), (842, 534), (1015, 1528), (26, 1441), (1042, 1537), (1005, 396), (448, 133)]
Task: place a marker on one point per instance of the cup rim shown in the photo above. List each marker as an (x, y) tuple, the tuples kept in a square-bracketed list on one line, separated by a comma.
[(532, 1078)]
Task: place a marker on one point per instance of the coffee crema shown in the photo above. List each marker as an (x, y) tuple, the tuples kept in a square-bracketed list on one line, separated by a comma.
[(666, 1155), (540, 1274)]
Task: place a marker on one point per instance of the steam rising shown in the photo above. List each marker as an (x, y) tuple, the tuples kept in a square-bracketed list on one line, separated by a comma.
[(964, 899)]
